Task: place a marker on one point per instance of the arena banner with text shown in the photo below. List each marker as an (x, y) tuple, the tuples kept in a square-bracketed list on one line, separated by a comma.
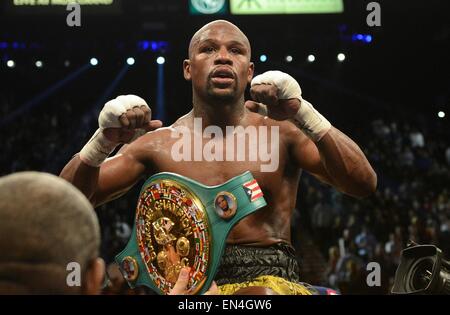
[(53, 7), (255, 7)]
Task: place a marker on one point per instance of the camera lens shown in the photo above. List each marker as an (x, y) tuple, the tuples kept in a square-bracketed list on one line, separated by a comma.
[(421, 273)]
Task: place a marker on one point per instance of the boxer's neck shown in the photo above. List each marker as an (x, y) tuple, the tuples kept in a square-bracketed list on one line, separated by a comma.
[(222, 115)]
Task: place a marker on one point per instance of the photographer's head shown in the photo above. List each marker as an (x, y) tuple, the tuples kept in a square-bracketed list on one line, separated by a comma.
[(45, 224)]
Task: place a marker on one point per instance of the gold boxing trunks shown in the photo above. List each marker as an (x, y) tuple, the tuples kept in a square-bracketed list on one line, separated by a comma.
[(273, 267), (277, 284)]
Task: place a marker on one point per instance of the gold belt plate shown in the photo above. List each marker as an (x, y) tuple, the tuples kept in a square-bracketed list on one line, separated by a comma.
[(173, 232)]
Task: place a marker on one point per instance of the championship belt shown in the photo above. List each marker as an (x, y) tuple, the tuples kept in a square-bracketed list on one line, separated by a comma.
[(180, 222)]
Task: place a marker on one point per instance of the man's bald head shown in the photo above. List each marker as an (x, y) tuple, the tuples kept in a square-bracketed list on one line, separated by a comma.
[(214, 26), (45, 223)]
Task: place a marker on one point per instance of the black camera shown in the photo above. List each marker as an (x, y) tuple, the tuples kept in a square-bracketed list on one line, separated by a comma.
[(422, 270)]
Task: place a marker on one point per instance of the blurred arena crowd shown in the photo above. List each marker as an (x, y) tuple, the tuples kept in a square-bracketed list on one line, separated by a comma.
[(411, 204)]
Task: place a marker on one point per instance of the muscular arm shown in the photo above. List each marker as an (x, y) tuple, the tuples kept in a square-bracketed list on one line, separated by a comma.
[(109, 181), (121, 120), (337, 160)]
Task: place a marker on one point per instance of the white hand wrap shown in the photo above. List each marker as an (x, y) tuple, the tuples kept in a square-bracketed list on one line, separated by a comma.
[(309, 120), (287, 86), (109, 116), (98, 148)]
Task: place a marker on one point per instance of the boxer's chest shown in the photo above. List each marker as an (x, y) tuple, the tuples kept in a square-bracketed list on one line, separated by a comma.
[(215, 172), (214, 163)]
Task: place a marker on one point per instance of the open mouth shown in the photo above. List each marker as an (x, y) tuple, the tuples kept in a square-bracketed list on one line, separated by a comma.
[(222, 77)]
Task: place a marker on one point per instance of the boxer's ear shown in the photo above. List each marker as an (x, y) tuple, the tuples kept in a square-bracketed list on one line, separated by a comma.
[(251, 70), (187, 69)]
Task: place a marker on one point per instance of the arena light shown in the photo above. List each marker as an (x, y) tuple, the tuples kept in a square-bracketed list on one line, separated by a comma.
[(130, 61), (289, 58), (160, 60), (441, 114), (10, 63), (341, 57), (94, 61), (311, 58), (39, 64), (263, 58), (39, 99), (364, 38), (67, 63)]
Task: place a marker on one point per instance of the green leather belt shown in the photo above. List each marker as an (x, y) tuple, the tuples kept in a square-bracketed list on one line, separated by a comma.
[(180, 222)]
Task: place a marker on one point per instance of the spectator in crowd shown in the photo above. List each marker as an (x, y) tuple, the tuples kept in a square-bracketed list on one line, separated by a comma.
[(46, 225), (412, 203)]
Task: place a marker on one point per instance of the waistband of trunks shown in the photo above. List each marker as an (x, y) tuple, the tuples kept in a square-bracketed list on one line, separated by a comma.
[(241, 263)]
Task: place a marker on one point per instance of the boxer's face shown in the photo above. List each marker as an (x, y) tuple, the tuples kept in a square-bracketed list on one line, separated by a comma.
[(223, 204), (219, 63)]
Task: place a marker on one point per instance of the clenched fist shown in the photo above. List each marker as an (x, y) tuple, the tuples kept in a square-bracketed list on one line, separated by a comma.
[(125, 117), (266, 102), (278, 95), (121, 120)]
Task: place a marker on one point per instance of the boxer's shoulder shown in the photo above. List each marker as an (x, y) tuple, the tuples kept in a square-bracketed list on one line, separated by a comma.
[(159, 135), (149, 143)]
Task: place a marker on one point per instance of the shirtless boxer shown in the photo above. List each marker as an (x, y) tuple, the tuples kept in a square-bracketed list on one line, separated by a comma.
[(258, 253)]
